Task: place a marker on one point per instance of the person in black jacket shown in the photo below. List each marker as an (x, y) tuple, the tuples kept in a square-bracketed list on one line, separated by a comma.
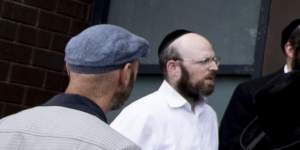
[(242, 109), (277, 105)]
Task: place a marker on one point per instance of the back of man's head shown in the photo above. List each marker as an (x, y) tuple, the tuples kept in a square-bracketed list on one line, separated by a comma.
[(291, 35), (164, 52), (287, 31), (294, 41), (96, 59)]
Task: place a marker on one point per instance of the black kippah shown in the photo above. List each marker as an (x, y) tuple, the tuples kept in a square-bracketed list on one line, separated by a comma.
[(287, 31), (169, 38)]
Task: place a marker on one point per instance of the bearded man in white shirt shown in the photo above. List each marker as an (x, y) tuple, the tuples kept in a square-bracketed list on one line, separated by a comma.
[(176, 116)]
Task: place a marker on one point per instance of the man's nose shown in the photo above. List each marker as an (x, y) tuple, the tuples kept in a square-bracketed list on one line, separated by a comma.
[(214, 66)]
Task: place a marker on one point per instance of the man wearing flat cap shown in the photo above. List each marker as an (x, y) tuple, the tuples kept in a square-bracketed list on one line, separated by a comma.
[(102, 62), (262, 113)]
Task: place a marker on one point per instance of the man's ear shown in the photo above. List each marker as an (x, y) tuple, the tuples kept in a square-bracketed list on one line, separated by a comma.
[(172, 69), (288, 49), (67, 69), (125, 74)]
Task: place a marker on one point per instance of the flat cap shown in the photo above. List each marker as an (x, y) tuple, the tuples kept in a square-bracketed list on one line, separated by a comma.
[(103, 48)]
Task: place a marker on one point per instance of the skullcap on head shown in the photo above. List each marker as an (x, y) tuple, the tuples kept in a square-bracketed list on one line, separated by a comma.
[(170, 37), (287, 31)]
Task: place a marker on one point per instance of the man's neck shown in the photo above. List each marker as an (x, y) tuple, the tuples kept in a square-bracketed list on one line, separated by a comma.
[(100, 101)]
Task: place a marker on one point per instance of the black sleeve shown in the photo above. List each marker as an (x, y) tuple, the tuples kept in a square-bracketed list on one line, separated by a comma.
[(239, 113)]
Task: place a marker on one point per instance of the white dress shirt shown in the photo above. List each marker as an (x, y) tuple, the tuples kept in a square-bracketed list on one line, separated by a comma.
[(286, 69), (164, 120)]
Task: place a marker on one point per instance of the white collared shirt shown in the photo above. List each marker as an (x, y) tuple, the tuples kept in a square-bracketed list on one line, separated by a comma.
[(285, 69), (164, 120)]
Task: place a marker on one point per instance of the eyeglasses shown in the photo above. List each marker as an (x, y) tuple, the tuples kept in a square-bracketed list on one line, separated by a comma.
[(204, 62)]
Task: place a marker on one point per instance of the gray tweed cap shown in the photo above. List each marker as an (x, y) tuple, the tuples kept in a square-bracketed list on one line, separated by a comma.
[(103, 48)]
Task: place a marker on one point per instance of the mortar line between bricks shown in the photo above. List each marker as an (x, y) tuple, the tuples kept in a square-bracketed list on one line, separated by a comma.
[(38, 18), (10, 103), (9, 73), (45, 80), (24, 96), (81, 2), (55, 11), (35, 67), (33, 87), (17, 34), (3, 110), (8, 70), (33, 47), (31, 26), (62, 15), (21, 4), (32, 57), (49, 50)]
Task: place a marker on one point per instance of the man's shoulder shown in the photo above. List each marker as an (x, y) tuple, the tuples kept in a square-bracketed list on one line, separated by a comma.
[(70, 125), (147, 107), (258, 82), (145, 102), (210, 110), (114, 140)]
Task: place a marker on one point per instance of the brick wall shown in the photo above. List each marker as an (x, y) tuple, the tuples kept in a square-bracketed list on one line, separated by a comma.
[(33, 34)]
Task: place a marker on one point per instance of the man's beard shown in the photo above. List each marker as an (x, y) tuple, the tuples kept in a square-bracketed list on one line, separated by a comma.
[(121, 97), (192, 91)]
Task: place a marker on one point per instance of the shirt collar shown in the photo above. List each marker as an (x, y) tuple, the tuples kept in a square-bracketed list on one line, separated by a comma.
[(176, 100), (77, 102), (285, 68)]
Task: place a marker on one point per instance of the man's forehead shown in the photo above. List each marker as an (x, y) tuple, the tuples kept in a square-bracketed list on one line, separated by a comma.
[(191, 40), (197, 54), (193, 44)]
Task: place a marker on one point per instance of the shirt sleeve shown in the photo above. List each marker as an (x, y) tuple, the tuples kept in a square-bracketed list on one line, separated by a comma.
[(239, 113), (136, 125)]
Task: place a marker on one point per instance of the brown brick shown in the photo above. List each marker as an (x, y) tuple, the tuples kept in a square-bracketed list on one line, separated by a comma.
[(48, 60), (12, 109), (7, 30), (59, 42), (27, 35), (3, 70), (20, 13), (37, 97), (16, 53), (11, 93), (73, 9), (28, 76), (44, 39), (54, 22), (77, 26), (56, 81), (45, 4)]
